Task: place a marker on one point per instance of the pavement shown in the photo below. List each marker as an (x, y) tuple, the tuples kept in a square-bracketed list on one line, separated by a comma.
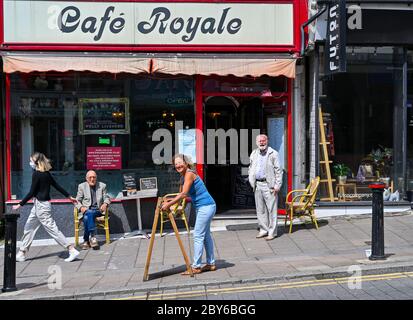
[(117, 268)]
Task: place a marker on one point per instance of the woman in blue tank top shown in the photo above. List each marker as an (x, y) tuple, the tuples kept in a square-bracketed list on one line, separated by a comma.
[(205, 207)]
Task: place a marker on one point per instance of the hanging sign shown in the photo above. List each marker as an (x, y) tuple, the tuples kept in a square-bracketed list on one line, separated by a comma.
[(335, 48)]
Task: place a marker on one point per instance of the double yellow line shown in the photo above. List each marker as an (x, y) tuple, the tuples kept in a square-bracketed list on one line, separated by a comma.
[(273, 286)]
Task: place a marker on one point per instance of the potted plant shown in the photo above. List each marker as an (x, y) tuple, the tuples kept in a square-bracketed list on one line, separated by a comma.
[(341, 171), (382, 159)]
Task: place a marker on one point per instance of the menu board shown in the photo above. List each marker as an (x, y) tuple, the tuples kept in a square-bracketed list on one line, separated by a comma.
[(148, 183), (242, 195), (104, 116), (129, 181)]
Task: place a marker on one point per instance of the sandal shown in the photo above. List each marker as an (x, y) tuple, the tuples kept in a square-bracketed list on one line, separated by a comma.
[(209, 267), (194, 271)]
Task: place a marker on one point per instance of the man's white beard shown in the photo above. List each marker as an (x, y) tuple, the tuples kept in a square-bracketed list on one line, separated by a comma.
[(262, 148)]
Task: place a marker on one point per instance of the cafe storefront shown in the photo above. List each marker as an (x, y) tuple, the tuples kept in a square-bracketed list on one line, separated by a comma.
[(95, 85)]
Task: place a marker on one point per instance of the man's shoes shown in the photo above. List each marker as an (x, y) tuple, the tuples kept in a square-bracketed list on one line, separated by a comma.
[(209, 267), (269, 238), (20, 256), (72, 255), (85, 245), (94, 243), (261, 235)]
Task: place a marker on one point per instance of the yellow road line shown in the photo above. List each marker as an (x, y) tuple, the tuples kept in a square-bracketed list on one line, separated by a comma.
[(273, 286)]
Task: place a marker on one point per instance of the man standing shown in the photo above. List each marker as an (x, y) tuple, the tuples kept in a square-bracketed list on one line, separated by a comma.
[(265, 177), (92, 202)]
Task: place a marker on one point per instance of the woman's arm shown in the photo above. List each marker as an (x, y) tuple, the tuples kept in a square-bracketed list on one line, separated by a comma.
[(33, 188), (189, 180), (61, 190)]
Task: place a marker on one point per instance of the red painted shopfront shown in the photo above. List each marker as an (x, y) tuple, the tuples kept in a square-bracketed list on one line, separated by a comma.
[(202, 65)]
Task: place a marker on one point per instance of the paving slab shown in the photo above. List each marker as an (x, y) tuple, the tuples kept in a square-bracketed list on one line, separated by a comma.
[(117, 268)]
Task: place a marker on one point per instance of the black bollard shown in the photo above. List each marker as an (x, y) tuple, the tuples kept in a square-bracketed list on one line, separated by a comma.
[(377, 232), (10, 242)]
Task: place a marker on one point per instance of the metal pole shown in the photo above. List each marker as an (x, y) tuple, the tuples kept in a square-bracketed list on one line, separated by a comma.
[(377, 241), (10, 241)]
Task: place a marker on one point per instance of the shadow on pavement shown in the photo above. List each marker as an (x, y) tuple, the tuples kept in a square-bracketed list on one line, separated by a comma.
[(221, 264)]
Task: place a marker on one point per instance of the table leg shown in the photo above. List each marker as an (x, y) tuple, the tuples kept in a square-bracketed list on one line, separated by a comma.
[(138, 232), (138, 206)]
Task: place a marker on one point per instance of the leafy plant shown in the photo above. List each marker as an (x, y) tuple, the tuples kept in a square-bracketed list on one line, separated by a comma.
[(340, 170), (382, 159)]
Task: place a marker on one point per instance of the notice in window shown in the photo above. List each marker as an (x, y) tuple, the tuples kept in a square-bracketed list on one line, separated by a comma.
[(104, 158), (104, 116), (187, 143)]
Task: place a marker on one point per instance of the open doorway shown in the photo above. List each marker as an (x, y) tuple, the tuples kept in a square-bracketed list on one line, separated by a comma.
[(220, 113), (228, 182)]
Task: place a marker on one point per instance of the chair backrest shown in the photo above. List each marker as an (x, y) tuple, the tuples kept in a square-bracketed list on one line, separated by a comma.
[(303, 199), (179, 208), (315, 182)]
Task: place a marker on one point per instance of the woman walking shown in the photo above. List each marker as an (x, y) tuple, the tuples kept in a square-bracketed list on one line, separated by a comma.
[(41, 213), (205, 207)]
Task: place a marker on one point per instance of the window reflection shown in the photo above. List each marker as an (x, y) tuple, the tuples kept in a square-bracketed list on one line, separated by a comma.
[(45, 117)]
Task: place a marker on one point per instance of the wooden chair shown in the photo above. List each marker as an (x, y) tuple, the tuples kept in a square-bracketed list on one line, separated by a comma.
[(302, 204), (101, 223), (178, 211)]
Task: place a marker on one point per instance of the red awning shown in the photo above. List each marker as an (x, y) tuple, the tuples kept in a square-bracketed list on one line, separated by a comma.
[(205, 65)]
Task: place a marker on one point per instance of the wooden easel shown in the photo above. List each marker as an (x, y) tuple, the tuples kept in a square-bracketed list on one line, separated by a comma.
[(324, 161), (155, 223)]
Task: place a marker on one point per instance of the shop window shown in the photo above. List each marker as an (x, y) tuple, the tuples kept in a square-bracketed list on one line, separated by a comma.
[(71, 117), (363, 123), (409, 125)]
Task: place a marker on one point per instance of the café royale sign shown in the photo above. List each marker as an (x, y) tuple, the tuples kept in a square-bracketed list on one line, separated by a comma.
[(142, 23)]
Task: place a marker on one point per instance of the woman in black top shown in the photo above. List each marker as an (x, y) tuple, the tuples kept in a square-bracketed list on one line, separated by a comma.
[(41, 212)]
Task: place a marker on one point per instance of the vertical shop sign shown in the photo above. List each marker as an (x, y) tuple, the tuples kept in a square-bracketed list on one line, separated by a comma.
[(335, 48)]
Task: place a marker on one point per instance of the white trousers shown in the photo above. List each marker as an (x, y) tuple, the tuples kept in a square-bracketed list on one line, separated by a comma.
[(266, 204), (41, 214)]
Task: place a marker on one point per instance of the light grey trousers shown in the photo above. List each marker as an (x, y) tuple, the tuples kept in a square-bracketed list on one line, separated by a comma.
[(266, 204), (41, 214)]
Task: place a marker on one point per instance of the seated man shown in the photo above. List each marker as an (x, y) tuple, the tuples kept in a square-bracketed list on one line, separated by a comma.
[(92, 202)]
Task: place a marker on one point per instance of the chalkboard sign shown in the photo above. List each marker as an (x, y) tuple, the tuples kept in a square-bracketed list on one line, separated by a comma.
[(148, 183), (242, 194), (104, 116), (129, 181)]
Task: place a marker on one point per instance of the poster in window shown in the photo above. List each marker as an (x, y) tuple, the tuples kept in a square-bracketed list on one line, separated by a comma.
[(187, 143), (104, 158), (276, 137), (104, 116)]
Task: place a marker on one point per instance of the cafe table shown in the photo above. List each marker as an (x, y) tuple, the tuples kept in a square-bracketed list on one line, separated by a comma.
[(153, 193)]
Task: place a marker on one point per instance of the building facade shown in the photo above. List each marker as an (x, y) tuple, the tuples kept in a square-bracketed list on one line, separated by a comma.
[(99, 84)]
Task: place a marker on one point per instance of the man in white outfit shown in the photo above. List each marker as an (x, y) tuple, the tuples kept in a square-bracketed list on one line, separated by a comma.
[(265, 177)]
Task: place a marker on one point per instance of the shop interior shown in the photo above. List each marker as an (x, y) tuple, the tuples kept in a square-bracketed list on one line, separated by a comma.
[(364, 114)]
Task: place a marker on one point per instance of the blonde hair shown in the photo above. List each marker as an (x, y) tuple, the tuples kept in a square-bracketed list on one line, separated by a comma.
[(41, 161), (186, 159)]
